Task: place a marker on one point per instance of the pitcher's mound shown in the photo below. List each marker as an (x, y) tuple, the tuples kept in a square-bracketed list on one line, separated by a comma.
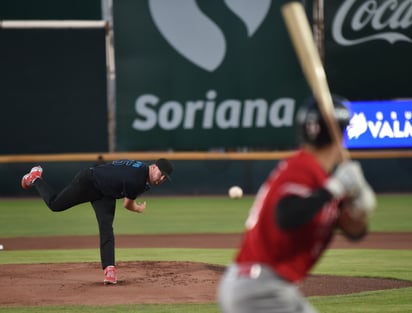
[(143, 282)]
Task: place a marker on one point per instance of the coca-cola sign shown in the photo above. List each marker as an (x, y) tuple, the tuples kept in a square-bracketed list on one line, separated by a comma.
[(368, 48), (384, 20)]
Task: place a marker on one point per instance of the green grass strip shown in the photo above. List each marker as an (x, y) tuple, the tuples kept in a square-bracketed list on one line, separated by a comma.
[(164, 215), (384, 301)]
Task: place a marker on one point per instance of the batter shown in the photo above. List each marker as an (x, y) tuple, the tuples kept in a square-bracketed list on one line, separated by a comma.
[(293, 218)]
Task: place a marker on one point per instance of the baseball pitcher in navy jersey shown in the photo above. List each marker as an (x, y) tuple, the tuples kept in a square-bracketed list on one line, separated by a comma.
[(102, 185), (294, 216)]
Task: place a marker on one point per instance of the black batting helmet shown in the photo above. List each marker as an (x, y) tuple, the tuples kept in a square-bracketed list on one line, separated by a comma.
[(311, 125)]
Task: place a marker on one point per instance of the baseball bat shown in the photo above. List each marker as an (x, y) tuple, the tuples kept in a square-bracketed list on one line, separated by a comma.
[(302, 39)]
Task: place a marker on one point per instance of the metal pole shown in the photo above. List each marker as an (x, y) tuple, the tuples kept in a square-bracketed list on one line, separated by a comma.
[(107, 12)]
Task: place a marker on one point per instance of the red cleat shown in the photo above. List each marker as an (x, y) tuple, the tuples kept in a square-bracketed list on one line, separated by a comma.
[(110, 275), (28, 179)]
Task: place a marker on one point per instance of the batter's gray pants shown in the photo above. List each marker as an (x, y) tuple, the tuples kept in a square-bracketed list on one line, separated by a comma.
[(254, 288)]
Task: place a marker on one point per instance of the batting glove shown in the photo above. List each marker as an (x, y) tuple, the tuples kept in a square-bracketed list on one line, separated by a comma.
[(347, 180), (365, 202)]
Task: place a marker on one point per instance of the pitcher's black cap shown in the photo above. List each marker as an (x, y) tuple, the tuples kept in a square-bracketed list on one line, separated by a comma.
[(165, 167)]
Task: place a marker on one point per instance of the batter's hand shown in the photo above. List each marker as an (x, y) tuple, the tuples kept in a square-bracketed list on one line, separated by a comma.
[(347, 180), (365, 202)]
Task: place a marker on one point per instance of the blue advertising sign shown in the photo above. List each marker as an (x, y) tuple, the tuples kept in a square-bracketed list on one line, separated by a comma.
[(379, 125)]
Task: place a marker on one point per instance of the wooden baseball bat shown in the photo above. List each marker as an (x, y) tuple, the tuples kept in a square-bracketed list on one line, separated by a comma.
[(302, 38)]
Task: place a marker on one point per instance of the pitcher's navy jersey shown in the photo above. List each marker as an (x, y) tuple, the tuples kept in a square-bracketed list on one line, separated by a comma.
[(122, 178)]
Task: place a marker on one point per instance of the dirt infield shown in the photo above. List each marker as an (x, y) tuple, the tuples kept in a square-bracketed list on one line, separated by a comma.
[(157, 282)]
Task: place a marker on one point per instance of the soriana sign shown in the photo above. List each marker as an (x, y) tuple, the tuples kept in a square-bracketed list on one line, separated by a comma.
[(199, 75)]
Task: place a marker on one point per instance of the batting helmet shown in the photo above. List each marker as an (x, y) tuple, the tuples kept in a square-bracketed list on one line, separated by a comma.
[(311, 125)]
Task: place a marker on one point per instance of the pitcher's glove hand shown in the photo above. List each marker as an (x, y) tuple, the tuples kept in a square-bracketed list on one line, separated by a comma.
[(347, 181)]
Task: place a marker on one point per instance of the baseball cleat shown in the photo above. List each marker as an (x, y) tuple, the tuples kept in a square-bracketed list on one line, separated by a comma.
[(110, 275), (28, 179)]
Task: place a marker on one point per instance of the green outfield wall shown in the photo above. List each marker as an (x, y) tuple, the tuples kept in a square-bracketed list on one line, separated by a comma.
[(205, 75), (50, 10), (189, 75), (53, 91), (203, 177)]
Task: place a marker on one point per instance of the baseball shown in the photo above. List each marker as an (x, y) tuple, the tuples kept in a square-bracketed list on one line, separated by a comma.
[(1, 247), (235, 192)]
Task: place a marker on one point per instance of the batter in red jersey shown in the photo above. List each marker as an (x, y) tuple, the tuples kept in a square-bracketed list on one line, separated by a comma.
[(294, 216)]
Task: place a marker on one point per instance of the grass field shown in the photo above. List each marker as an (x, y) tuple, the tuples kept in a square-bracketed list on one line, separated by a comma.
[(30, 217)]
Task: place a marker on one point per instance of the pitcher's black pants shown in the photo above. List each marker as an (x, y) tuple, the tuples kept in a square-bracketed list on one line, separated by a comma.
[(82, 189)]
